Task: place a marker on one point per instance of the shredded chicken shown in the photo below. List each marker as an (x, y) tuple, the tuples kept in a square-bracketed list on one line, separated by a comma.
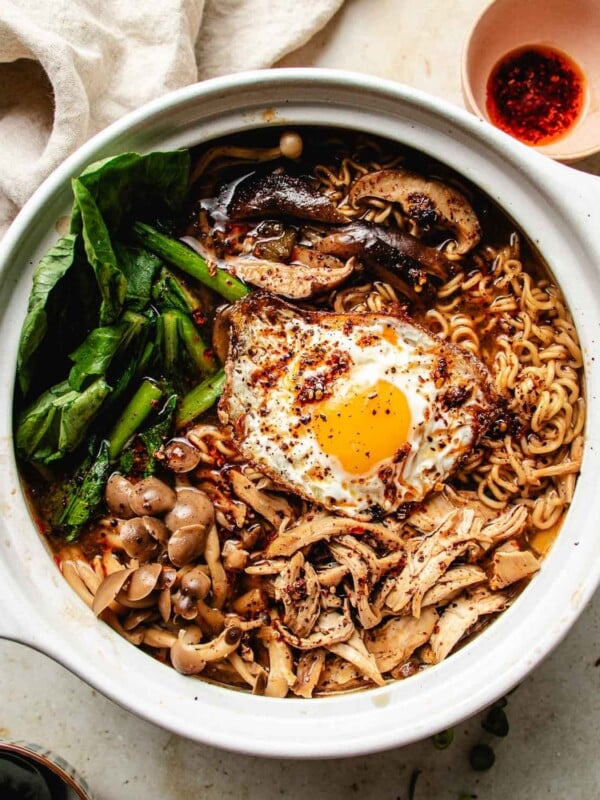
[(297, 587), (396, 640), (429, 562), (356, 653), (458, 618), (510, 563)]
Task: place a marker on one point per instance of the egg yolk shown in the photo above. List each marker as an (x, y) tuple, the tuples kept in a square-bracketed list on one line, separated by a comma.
[(363, 428)]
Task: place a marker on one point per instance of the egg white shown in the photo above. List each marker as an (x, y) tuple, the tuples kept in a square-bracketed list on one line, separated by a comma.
[(278, 351)]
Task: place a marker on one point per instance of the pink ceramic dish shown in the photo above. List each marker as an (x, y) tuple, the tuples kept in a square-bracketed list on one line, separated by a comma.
[(571, 27)]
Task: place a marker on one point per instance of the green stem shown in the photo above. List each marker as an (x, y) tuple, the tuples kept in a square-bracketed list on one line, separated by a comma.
[(169, 291), (137, 410), (170, 340), (200, 398), (188, 261), (198, 351)]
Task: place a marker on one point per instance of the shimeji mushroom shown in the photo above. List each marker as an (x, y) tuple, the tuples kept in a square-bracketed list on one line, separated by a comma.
[(194, 586), (180, 455), (276, 510), (118, 495), (186, 544), (290, 146), (191, 507), (151, 496), (190, 659), (142, 537)]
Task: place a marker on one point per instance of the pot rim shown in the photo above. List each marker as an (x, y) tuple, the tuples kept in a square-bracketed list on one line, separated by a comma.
[(499, 657)]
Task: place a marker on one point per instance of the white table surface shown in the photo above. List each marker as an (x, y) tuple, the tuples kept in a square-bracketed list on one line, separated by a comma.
[(552, 749)]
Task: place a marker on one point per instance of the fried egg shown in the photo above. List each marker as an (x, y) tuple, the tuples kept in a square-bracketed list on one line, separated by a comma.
[(360, 413)]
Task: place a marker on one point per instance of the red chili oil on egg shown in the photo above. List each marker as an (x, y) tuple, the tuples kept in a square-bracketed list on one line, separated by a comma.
[(536, 94)]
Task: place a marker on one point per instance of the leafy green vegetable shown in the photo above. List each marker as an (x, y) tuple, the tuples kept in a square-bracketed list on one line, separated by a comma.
[(169, 292), (87, 496), (53, 266), (175, 329), (101, 256), (95, 354), (153, 438), (106, 194), (55, 423), (103, 313), (156, 182), (139, 267), (134, 415), (185, 259), (200, 398)]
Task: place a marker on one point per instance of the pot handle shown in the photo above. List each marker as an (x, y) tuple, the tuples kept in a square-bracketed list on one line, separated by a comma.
[(13, 626), (584, 187)]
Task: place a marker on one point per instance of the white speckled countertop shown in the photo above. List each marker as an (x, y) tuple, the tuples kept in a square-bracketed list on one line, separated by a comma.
[(552, 749)]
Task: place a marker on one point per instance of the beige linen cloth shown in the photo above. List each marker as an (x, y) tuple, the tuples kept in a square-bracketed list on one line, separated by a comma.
[(68, 68)]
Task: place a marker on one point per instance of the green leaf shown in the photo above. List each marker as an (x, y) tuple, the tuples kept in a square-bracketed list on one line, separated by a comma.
[(55, 423), (170, 293), (153, 437), (139, 267), (94, 354), (88, 495), (156, 183), (53, 266), (100, 254)]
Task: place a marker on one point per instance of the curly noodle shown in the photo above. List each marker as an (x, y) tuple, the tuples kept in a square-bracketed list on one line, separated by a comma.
[(517, 323)]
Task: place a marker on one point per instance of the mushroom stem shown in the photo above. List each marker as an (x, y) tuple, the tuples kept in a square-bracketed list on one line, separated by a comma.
[(189, 659), (290, 146), (218, 576)]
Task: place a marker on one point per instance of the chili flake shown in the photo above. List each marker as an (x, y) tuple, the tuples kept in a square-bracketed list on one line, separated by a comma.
[(536, 94)]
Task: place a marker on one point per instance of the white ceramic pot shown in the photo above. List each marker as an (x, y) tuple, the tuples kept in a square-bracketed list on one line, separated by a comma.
[(557, 207)]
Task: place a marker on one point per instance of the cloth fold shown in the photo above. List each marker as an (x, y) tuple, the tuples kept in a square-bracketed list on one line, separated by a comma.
[(68, 68)]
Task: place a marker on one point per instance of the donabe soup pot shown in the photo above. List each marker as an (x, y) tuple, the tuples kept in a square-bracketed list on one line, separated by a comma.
[(558, 208)]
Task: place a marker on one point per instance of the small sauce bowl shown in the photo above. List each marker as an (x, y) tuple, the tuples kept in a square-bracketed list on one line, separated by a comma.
[(570, 27), (30, 770)]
